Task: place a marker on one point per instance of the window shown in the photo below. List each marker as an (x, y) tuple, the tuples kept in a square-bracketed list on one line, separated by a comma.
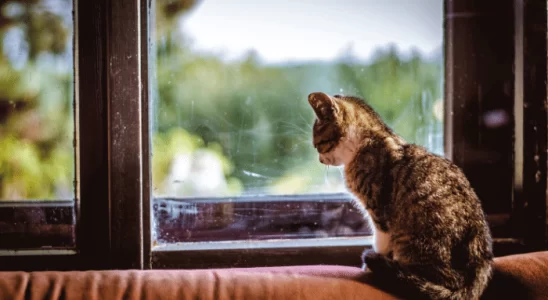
[(232, 157), (37, 132), (155, 96)]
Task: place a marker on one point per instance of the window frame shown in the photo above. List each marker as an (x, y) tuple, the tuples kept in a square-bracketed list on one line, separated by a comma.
[(531, 196), (113, 196), (91, 205), (474, 33)]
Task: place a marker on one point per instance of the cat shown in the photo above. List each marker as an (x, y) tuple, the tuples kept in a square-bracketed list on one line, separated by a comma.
[(430, 232)]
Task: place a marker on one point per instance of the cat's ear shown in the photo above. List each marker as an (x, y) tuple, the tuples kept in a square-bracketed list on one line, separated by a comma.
[(324, 106)]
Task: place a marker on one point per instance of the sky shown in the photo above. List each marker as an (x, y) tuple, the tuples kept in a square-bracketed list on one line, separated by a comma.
[(304, 30)]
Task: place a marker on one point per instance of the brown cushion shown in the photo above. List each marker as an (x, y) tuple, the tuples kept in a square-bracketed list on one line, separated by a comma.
[(523, 276), (198, 284), (519, 277)]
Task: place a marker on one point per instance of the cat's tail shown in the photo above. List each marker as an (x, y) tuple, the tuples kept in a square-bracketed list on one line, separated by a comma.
[(414, 286)]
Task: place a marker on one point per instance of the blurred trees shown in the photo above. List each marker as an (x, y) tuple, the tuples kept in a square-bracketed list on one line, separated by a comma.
[(252, 116), (36, 94), (36, 156), (260, 116)]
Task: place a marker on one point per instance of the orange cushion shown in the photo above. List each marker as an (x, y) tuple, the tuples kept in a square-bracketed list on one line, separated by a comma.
[(522, 276)]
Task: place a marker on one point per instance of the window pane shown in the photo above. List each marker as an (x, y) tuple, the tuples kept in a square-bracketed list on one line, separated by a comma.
[(37, 156), (37, 122), (232, 156)]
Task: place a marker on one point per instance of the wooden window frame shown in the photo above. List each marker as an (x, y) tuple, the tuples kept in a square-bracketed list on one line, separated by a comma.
[(113, 208), (492, 64), (91, 206)]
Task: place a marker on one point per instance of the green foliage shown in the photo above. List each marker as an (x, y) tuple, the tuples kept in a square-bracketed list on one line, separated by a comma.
[(253, 118), (260, 116), (36, 156), (36, 96), (26, 174), (403, 91), (177, 141)]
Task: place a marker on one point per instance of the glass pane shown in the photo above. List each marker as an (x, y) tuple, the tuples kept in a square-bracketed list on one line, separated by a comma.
[(37, 122), (232, 156)]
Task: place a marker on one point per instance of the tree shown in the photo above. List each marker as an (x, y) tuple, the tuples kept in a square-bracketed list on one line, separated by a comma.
[(35, 100), (253, 118), (36, 95)]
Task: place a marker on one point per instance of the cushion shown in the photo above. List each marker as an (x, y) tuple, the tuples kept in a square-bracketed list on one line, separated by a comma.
[(519, 277), (523, 276), (279, 283)]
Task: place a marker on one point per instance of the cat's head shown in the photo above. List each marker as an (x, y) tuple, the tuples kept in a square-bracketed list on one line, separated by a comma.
[(342, 124)]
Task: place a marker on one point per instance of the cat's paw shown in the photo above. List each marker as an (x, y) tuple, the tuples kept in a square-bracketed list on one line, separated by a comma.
[(365, 268), (364, 255), (376, 261)]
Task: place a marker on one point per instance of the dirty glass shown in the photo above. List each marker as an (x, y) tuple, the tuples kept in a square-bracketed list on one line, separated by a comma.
[(36, 124), (232, 156)]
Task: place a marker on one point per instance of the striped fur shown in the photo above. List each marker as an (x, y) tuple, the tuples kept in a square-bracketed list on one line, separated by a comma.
[(431, 233)]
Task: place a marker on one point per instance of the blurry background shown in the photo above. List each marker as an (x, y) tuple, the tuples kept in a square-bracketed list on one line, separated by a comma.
[(36, 92), (229, 87), (232, 78)]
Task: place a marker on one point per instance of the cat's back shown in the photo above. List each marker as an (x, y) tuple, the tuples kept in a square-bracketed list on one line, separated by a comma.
[(430, 189), (420, 169)]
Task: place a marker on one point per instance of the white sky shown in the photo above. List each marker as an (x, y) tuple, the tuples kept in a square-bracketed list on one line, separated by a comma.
[(291, 30)]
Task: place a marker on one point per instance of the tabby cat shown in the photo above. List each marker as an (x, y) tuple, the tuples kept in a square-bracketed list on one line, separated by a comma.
[(430, 233)]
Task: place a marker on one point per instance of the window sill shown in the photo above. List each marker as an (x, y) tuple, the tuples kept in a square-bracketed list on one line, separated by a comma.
[(340, 251)]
